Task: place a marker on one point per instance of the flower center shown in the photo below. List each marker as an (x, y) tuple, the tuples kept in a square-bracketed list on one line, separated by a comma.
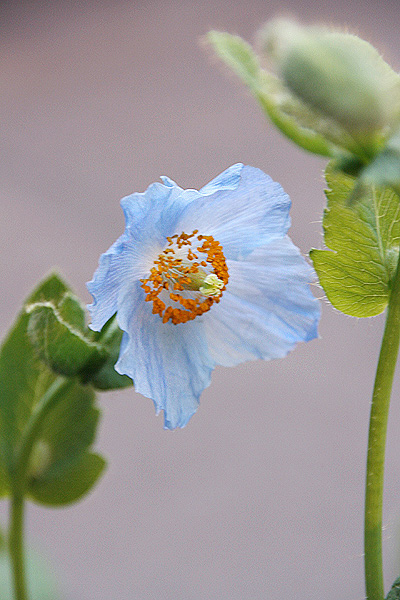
[(187, 278)]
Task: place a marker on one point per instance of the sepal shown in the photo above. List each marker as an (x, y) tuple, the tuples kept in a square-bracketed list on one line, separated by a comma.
[(63, 348), (107, 378), (58, 332)]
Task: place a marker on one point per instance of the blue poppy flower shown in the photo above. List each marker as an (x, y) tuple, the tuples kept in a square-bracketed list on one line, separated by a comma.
[(203, 278)]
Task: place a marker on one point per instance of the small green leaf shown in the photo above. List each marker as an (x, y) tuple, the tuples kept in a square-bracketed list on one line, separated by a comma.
[(107, 377), (75, 482), (23, 378), (60, 469), (238, 55), (68, 430), (63, 348), (291, 117), (66, 433), (394, 593), (363, 242)]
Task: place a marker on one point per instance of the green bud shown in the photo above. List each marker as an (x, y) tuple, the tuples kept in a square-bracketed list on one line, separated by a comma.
[(338, 75)]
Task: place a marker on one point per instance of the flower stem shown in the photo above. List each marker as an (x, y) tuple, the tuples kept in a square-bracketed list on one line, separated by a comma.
[(16, 546), (377, 443), (18, 480)]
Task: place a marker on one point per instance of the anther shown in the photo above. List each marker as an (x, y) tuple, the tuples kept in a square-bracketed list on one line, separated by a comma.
[(192, 272)]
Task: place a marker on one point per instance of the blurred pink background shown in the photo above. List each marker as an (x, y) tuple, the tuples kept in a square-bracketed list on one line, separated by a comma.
[(261, 496)]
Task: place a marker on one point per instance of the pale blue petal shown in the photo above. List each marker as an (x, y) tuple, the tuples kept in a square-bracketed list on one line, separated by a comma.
[(168, 363), (250, 215), (150, 217), (153, 213), (117, 268), (267, 308), (228, 180)]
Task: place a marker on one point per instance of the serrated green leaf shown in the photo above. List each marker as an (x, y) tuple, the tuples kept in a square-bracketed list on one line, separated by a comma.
[(363, 242), (394, 593), (75, 482), (64, 349), (107, 377)]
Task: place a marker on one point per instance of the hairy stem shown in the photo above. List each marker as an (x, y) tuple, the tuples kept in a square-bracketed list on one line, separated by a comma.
[(377, 444)]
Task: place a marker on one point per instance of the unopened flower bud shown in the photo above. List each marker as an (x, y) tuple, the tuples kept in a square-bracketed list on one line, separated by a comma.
[(337, 74)]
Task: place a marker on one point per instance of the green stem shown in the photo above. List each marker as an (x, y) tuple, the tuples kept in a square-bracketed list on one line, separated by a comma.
[(377, 443), (19, 476), (16, 546)]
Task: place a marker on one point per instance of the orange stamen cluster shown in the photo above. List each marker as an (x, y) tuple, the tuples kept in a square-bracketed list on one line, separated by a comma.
[(176, 273)]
